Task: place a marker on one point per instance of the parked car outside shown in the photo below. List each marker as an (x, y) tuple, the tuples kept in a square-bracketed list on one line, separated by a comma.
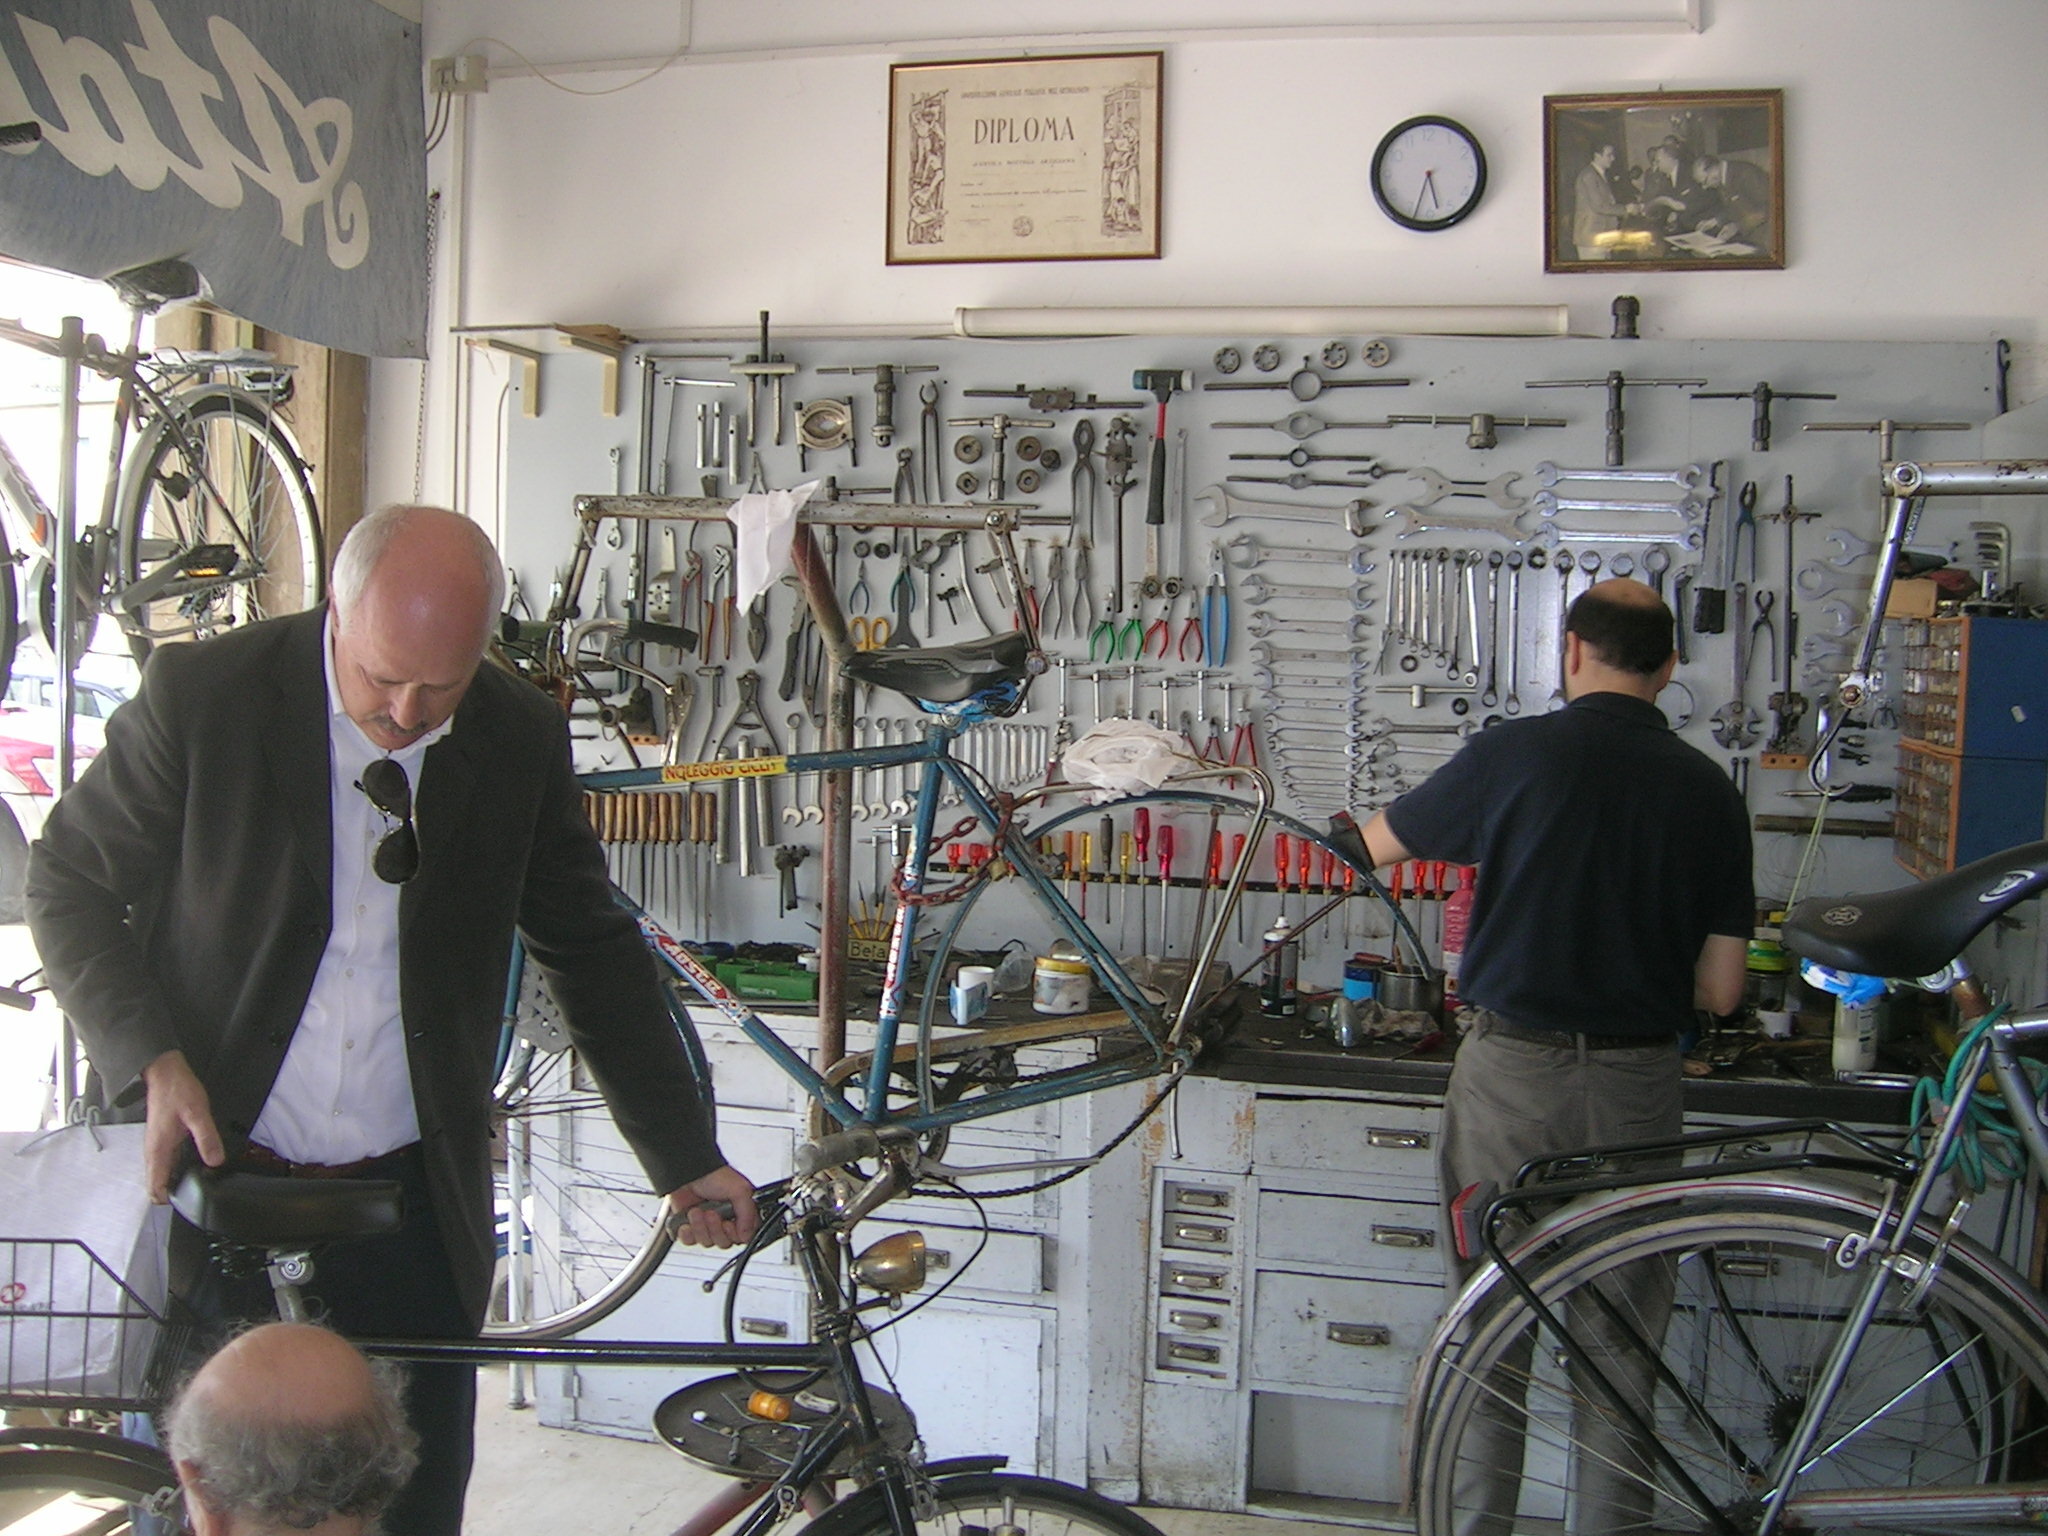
[(28, 728)]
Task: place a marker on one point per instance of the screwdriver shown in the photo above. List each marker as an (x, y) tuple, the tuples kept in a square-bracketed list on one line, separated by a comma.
[(1283, 862), (1304, 853), (1236, 856), (1087, 860), (1123, 887), (1438, 890), (1068, 870), (1141, 838), (1165, 883)]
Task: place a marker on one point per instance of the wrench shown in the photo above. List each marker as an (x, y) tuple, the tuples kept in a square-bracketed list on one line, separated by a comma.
[(1227, 506), (1549, 504), (1852, 548), (1260, 592), (1268, 653), (1816, 581), (1509, 526), (1512, 704), (1547, 534), (1263, 624), (1490, 694), (1245, 550), (1497, 490), (1843, 619), (1690, 476)]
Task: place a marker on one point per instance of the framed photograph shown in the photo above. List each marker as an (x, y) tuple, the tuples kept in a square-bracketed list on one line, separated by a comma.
[(1670, 181), (1039, 159)]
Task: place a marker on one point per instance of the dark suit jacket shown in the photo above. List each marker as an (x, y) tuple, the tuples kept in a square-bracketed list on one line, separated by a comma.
[(181, 897)]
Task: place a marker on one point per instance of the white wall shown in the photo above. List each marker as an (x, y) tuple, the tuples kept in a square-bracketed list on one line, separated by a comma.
[(728, 183)]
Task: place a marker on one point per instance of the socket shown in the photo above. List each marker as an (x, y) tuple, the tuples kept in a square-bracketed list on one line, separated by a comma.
[(466, 75)]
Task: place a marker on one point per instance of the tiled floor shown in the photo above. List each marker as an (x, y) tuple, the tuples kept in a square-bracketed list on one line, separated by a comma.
[(535, 1481)]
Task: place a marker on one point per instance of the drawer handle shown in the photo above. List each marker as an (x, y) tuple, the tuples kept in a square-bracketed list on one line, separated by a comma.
[(1400, 1141), (1199, 1354), (1203, 1199), (1194, 1280), (1367, 1335), (1194, 1322), (765, 1327), (1189, 1232), (1404, 1237)]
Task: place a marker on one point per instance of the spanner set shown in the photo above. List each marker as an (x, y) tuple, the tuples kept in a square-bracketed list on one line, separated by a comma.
[(1327, 588)]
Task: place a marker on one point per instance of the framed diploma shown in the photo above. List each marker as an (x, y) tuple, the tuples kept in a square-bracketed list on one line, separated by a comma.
[(1039, 159)]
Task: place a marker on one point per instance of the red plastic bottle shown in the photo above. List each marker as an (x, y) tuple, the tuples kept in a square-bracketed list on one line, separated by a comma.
[(1457, 921)]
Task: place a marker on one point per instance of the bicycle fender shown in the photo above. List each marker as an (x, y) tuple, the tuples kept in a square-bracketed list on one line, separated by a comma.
[(955, 1466)]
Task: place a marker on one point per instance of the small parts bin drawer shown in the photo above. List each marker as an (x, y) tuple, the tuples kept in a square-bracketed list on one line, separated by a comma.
[(1342, 1335), (1397, 1239), (1184, 1198), (1195, 1340), (1196, 1282)]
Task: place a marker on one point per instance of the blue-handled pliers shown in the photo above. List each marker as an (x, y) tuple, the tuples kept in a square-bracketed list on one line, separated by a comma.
[(1215, 612)]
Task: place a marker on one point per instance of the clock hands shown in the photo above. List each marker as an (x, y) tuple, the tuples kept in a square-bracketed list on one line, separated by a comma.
[(1428, 189)]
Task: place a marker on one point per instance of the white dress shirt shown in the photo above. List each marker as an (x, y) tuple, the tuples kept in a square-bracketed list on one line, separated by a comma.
[(344, 1091)]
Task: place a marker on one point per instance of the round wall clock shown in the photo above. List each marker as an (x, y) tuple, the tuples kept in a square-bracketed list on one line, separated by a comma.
[(1428, 173)]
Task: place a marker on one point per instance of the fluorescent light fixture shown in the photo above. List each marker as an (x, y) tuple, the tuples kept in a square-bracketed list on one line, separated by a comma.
[(1269, 320)]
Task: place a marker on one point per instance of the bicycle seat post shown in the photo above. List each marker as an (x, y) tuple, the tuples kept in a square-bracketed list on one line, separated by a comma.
[(288, 1269)]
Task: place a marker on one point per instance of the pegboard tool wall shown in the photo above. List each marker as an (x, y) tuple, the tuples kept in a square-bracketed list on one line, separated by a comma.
[(1300, 707)]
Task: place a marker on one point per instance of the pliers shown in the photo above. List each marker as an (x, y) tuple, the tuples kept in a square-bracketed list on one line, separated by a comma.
[(1160, 629), (1745, 517), (1054, 607), (1763, 598), (1081, 508), (1216, 612), (1130, 635), (1081, 617)]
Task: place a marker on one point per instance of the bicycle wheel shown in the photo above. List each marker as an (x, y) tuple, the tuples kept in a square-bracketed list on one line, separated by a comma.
[(578, 1230), (222, 471), (1151, 927), (977, 1503), (1715, 1319), (67, 1491)]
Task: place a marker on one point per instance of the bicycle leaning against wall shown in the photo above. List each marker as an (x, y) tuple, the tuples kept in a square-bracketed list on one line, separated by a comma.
[(208, 518)]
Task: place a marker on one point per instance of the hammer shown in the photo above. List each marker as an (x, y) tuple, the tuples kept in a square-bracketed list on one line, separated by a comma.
[(1164, 383)]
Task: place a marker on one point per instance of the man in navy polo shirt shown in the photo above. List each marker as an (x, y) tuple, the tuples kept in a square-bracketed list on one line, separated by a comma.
[(1614, 901)]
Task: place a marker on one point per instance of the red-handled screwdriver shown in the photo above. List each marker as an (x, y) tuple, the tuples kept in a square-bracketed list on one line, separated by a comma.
[(1165, 884), (1283, 865), (1141, 839)]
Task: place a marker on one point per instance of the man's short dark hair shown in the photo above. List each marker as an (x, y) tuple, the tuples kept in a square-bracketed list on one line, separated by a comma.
[(1633, 637), (294, 1473)]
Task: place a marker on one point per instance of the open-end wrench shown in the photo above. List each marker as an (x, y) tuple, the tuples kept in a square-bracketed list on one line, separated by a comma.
[(1498, 490), (1547, 535), (1224, 506), (1414, 520), (1690, 476), (1262, 625), (1549, 504), (1852, 548), (1245, 550), (1260, 592), (1489, 696), (1815, 580), (1266, 654)]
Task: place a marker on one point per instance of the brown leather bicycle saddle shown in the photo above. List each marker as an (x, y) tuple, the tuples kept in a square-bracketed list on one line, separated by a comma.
[(945, 674), (1919, 929)]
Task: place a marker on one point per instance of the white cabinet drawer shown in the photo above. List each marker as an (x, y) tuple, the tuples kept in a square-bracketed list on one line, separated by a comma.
[(1393, 1141), (1393, 1238), (1212, 1320), (1182, 1233), (1339, 1335), (1196, 1281)]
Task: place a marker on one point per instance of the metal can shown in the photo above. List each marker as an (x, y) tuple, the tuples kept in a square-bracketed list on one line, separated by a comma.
[(1060, 985)]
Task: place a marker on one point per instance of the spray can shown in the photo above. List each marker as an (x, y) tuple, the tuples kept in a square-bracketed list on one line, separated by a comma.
[(1457, 923), (1279, 991)]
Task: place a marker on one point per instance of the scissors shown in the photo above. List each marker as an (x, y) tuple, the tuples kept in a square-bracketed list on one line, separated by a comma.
[(868, 634)]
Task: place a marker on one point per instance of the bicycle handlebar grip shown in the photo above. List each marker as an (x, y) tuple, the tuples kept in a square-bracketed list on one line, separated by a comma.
[(838, 1148), (20, 133), (643, 631)]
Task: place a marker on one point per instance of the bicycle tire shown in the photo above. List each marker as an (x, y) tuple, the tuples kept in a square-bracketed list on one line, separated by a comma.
[(593, 1232), (1936, 1397), (976, 1503), (1323, 945), (223, 470), (105, 1487)]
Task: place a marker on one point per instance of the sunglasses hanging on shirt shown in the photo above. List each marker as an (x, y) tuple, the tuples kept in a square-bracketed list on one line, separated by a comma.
[(397, 856)]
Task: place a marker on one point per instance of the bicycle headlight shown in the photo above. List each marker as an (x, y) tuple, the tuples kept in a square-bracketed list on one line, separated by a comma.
[(895, 1264)]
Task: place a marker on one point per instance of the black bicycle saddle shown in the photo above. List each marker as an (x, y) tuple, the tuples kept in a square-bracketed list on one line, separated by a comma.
[(1916, 930), (271, 1211), (945, 674)]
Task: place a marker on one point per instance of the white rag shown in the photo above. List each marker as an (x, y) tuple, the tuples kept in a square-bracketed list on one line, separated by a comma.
[(764, 525)]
